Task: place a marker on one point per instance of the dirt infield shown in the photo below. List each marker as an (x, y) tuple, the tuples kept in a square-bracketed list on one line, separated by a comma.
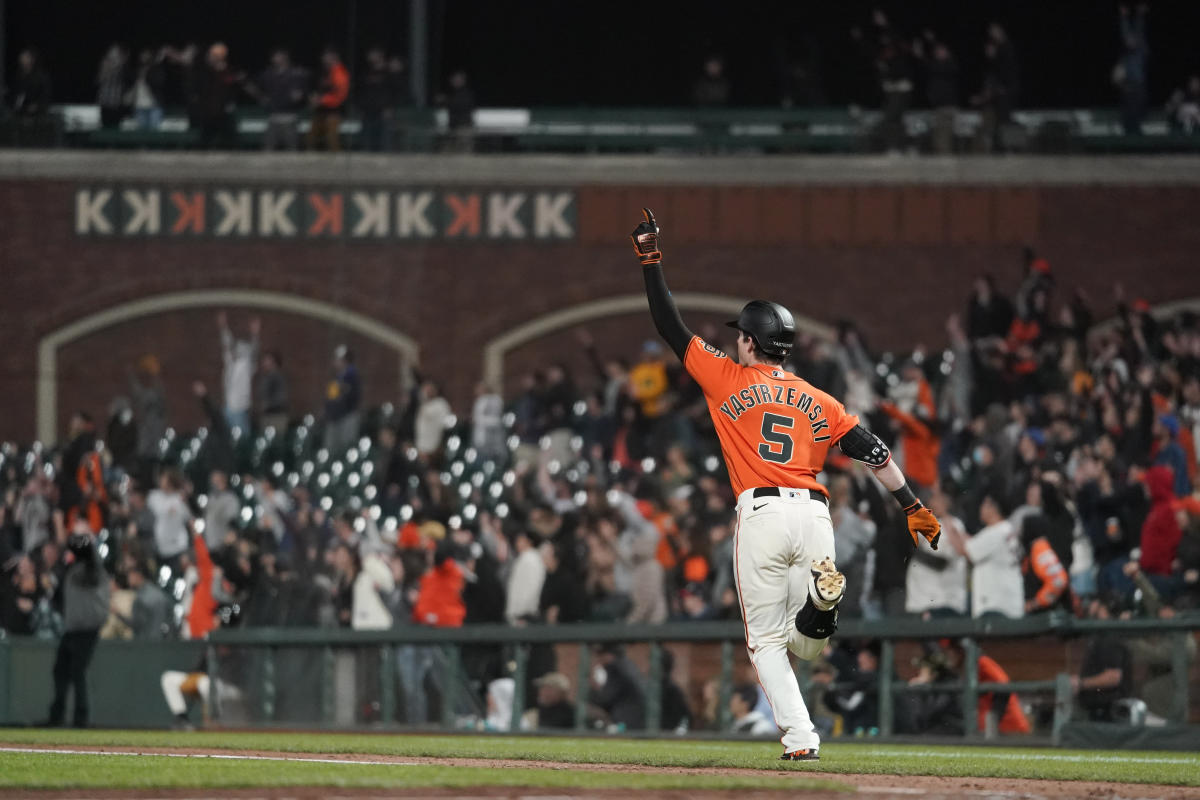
[(872, 786)]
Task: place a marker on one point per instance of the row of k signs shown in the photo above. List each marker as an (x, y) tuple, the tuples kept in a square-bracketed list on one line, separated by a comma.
[(372, 214)]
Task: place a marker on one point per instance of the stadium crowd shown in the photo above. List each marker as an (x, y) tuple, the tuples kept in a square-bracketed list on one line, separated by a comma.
[(881, 65), (211, 90), (1059, 455)]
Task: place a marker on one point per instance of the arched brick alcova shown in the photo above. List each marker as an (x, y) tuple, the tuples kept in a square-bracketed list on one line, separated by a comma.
[(495, 350), (47, 367)]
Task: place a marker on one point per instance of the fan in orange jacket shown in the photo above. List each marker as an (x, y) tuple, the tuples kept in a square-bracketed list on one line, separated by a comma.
[(989, 671), (201, 616), (919, 444), (439, 600), (90, 479), (1013, 720), (335, 86)]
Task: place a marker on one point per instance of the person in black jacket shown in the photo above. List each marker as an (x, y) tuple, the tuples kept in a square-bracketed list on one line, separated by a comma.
[(896, 85), (1054, 520), (281, 89), (936, 712), (1105, 506), (84, 593), (483, 596), (989, 313), (554, 709), (214, 87), (218, 445), (272, 393), (149, 83), (342, 400), (856, 697), (561, 600), (1106, 672), (19, 593), (1001, 87), (32, 97), (401, 97), (676, 715), (82, 435), (460, 108), (941, 89), (375, 96), (617, 697)]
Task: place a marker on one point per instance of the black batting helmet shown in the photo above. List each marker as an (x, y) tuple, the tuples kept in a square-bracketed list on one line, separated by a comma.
[(769, 324)]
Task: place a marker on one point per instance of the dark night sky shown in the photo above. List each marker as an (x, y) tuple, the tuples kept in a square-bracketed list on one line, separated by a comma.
[(570, 52)]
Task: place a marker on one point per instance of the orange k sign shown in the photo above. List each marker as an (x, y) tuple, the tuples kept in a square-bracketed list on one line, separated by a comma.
[(329, 216), (466, 221), (191, 212)]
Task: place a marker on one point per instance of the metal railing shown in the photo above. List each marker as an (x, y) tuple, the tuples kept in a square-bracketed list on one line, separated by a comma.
[(729, 635), (603, 129)]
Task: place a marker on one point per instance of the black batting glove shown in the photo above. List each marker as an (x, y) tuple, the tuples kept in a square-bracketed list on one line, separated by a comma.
[(645, 240)]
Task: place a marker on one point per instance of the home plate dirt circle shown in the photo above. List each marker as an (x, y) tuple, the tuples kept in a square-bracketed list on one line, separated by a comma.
[(875, 787)]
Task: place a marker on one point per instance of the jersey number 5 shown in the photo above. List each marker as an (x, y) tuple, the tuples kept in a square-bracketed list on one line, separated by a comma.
[(772, 436)]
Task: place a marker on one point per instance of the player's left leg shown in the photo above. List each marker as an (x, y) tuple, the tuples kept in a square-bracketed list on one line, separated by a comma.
[(815, 587)]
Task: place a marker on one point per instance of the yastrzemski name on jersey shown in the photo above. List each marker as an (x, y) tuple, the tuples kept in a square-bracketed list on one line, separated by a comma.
[(759, 394)]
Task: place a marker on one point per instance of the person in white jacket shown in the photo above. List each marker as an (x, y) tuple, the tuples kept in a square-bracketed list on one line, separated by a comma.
[(936, 584), (368, 611), (487, 422), (240, 357), (525, 580), (172, 518), (434, 416), (994, 553), (637, 549)]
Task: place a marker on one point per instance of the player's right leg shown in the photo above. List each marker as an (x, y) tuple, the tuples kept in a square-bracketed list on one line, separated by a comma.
[(764, 549)]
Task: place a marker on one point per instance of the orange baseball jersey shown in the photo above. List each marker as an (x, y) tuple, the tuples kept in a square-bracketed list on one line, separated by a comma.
[(775, 428), (1049, 570)]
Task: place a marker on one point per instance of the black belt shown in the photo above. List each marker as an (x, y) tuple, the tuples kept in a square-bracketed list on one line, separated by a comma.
[(773, 491)]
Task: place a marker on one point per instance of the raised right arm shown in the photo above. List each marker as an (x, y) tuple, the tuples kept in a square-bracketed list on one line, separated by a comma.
[(662, 308)]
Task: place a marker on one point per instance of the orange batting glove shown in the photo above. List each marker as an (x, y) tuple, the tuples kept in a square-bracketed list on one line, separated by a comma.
[(645, 240), (922, 521)]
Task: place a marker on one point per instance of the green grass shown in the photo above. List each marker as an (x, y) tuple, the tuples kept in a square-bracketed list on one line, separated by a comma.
[(1124, 766), (73, 771)]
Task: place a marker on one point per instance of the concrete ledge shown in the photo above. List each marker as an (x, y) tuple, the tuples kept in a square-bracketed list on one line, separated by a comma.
[(544, 170)]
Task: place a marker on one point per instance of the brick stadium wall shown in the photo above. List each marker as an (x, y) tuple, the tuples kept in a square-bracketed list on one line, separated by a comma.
[(897, 259)]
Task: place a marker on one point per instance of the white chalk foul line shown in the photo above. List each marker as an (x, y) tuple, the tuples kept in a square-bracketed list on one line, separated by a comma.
[(969, 753), (226, 757), (937, 793), (1062, 757)]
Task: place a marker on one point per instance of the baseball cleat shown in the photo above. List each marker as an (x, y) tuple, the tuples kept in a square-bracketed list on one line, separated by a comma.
[(807, 754), (828, 584)]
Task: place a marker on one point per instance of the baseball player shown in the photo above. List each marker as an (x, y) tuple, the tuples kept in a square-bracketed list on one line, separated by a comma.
[(775, 430)]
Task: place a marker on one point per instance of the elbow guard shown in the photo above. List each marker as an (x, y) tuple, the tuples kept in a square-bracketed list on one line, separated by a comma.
[(862, 445)]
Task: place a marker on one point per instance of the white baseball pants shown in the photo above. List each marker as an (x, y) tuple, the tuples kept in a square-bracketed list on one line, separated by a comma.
[(776, 543), (173, 689)]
